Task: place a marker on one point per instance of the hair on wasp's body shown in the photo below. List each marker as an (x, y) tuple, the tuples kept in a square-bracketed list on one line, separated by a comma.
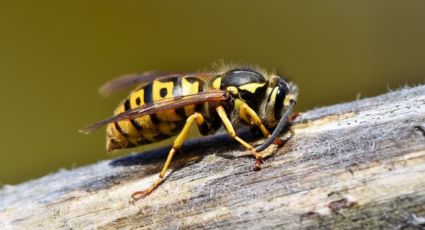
[(166, 104)]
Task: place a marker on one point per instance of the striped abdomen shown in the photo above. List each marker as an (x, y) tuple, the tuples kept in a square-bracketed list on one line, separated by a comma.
[(158, 126)]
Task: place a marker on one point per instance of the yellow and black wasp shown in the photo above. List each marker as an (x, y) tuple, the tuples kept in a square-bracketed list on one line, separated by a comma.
[(167, 104)]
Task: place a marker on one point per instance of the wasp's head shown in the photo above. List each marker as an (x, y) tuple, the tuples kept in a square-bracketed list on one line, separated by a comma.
[(278, 97), (267, 94)]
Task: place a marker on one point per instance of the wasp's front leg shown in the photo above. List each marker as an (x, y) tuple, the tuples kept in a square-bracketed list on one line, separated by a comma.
[(250, 116), (231, 131)]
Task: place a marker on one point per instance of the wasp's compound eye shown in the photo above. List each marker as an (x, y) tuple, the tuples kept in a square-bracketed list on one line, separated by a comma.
[(282, 91)]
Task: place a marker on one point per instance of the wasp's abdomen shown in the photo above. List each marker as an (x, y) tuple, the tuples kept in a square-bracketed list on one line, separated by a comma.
[(158, 126)]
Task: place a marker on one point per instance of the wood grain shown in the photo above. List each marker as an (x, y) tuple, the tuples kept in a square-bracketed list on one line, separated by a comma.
[(353, 165)]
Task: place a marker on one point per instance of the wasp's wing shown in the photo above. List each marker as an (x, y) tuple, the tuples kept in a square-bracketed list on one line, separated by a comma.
[(126, 81), (129, 80), (166, 104)]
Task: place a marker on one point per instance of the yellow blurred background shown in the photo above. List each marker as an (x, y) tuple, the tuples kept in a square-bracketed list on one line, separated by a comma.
[(55, 54)]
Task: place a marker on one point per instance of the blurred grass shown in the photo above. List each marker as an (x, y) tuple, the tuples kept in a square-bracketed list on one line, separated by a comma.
[(55, 54)]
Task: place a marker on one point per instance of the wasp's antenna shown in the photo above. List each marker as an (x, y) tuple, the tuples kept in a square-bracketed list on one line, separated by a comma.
[(278, 128)]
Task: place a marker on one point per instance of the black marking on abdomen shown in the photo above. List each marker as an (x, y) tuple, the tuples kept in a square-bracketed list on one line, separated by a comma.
[(148, 93), (201, 106), (127, 107), (148, 99), (118, 127), (163, 92)]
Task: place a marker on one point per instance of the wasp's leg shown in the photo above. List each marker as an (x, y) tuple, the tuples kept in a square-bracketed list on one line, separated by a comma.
[(250, 116), (231, 131), (178, 142)]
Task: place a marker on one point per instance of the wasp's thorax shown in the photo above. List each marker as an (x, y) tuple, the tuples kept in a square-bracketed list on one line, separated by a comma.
[(268, 95)]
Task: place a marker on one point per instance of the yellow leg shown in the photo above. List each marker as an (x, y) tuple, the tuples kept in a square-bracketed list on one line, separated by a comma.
[(231, 131), (178, 142), (250, 116)]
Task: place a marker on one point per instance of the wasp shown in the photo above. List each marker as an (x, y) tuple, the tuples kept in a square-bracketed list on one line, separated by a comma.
[(163, 105)]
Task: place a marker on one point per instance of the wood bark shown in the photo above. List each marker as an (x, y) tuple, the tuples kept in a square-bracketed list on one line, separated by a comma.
[(354, 165)]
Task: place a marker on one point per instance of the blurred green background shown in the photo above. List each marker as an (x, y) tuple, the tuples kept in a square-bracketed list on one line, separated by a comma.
[(55, 54)]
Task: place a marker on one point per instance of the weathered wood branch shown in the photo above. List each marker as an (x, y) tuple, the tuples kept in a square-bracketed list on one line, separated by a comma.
[(358, 164)]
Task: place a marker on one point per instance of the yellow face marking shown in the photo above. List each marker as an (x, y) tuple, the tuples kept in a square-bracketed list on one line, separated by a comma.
[(137, 100), (251, 87), (189, 88), (288, 98), (269, 91), (160, 91), (273, 96), (217, 83), (270, 105)]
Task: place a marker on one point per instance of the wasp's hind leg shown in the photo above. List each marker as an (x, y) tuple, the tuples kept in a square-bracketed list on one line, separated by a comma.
[(178, 142), (231, 131)]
